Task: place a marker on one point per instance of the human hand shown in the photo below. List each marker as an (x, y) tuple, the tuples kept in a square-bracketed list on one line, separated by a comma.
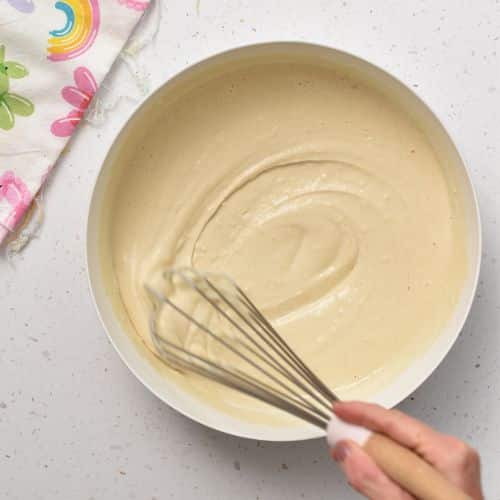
[(454, 459)]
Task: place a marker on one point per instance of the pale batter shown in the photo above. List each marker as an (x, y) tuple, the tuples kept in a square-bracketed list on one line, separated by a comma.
[(319, 196)]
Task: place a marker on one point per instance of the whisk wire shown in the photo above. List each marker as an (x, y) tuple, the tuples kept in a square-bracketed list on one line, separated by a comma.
[(288, 351), (231, 348), (290, 385), (270, 340), (244, 382)]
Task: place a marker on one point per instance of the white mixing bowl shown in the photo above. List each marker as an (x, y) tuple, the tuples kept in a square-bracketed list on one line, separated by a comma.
[(112, 314)]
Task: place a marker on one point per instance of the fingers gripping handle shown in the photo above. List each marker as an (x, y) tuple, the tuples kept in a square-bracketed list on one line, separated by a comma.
[(402, 465)]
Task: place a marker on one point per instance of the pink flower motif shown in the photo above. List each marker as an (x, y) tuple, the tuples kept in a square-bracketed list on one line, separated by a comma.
[(79, 97), (15, 192), (135, 4)]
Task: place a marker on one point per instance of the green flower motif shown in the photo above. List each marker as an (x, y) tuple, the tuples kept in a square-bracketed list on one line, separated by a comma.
[(11, 104)]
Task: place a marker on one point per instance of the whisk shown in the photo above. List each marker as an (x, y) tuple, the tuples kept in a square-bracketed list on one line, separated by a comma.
[(205, 324)]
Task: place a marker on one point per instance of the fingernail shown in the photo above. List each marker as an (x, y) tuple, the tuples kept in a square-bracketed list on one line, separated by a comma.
[(341, 452)]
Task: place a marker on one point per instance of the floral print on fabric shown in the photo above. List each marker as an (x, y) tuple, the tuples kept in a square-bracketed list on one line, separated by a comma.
[(11, 104), (79, 97)]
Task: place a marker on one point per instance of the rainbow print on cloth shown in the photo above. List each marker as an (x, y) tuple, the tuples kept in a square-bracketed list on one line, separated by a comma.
[(77, 36)]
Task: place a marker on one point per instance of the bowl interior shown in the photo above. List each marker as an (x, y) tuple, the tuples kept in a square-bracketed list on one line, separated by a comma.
[(152, 374)]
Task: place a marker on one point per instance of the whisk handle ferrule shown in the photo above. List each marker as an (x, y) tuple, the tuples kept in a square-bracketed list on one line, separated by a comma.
[(338, 430)]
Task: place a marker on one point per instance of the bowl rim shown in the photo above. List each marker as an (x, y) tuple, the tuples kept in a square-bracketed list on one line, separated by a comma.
[(304, 433)]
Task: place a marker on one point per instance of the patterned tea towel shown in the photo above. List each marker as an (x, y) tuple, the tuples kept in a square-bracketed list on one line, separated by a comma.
[(53, 56)]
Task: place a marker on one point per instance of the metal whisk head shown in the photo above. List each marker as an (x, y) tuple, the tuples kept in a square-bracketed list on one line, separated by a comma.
[(205, 324)]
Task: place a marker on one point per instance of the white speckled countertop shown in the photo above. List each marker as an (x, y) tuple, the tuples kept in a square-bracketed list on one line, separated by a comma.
[(76, 424)]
